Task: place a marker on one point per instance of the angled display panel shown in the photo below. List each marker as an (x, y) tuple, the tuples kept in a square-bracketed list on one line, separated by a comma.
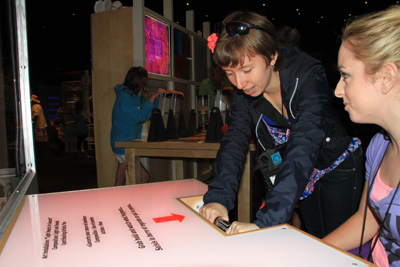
[(154, 224)]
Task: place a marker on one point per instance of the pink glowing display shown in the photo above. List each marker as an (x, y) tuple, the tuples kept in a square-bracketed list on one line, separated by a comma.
[(156, 46)]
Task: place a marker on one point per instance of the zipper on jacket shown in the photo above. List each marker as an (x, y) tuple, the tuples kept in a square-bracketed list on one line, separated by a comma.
[(291, 98), (258, 139), (290, 109)]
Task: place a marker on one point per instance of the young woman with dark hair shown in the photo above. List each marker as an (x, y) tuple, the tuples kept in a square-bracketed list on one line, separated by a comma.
[(283, 94), (131, 110)]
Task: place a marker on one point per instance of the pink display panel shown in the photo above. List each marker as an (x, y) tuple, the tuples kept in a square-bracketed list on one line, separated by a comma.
[(156, 46), (154, 224)]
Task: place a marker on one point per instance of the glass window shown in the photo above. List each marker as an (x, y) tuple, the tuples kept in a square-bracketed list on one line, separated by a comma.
[(8, 91), (16, 147), (182, 55)]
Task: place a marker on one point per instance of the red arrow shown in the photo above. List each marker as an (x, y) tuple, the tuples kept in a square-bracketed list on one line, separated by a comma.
[(174, 217)]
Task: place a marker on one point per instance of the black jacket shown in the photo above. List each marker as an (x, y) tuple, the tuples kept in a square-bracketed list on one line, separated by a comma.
[(308, 99)]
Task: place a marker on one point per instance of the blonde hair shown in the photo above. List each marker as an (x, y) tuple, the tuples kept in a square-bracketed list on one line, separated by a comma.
[(375, 38), (232, 50)]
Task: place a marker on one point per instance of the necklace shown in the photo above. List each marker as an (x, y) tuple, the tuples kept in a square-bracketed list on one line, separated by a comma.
[(383, 221), (386, 213)]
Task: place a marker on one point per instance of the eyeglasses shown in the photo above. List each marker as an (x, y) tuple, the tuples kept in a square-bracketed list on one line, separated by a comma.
[(234, 28)]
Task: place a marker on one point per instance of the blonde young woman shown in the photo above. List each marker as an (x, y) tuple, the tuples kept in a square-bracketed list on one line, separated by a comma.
[(369, 62)]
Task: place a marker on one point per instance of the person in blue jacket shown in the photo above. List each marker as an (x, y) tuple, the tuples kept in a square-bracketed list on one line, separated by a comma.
[(131, 109), (290, 84)]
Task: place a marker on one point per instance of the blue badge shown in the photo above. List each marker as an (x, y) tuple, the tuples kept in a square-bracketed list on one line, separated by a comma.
[(276, 158)]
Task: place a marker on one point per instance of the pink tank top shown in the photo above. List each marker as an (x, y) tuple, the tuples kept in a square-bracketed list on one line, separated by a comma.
[(379, 191)]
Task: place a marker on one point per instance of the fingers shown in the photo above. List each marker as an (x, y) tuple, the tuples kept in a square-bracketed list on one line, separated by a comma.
[(176, 92), (161, 90), (240, 227), (167, 91), (208, 213), (234, 228), (214, 210)]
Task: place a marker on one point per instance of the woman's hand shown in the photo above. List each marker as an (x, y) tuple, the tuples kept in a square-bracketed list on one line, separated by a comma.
[(214, 210), (157, 93), (161, 91), (175, 92), (241, 227)]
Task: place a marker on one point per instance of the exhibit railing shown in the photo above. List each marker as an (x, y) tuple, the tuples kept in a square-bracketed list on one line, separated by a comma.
[(22, 178)]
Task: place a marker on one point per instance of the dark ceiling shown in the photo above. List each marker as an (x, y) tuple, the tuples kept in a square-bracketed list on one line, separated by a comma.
[(59, 31)]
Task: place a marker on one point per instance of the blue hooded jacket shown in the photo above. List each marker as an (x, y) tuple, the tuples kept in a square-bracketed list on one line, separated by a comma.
[(129, 114)]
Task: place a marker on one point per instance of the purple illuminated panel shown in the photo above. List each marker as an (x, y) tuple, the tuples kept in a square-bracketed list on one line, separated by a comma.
[(156, 46)]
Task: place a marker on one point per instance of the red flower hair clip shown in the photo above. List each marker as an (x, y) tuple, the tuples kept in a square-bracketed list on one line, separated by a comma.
[(212, 41)]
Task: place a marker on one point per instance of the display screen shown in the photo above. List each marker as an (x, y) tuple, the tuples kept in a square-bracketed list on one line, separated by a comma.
[(157, 46)]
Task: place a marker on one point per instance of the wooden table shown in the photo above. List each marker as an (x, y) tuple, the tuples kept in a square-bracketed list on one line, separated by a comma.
[(192, 147)]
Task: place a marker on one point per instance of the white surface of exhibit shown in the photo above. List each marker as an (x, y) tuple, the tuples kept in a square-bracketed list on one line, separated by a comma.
[(145, 225)]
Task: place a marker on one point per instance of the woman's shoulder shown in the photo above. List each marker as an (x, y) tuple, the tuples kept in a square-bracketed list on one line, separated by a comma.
[(296, 61), (207, 85), (377, 147), (126, 97), (378, 142)]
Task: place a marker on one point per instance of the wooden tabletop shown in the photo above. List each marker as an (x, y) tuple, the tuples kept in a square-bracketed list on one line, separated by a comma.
[(192, 147), (195, 142)]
